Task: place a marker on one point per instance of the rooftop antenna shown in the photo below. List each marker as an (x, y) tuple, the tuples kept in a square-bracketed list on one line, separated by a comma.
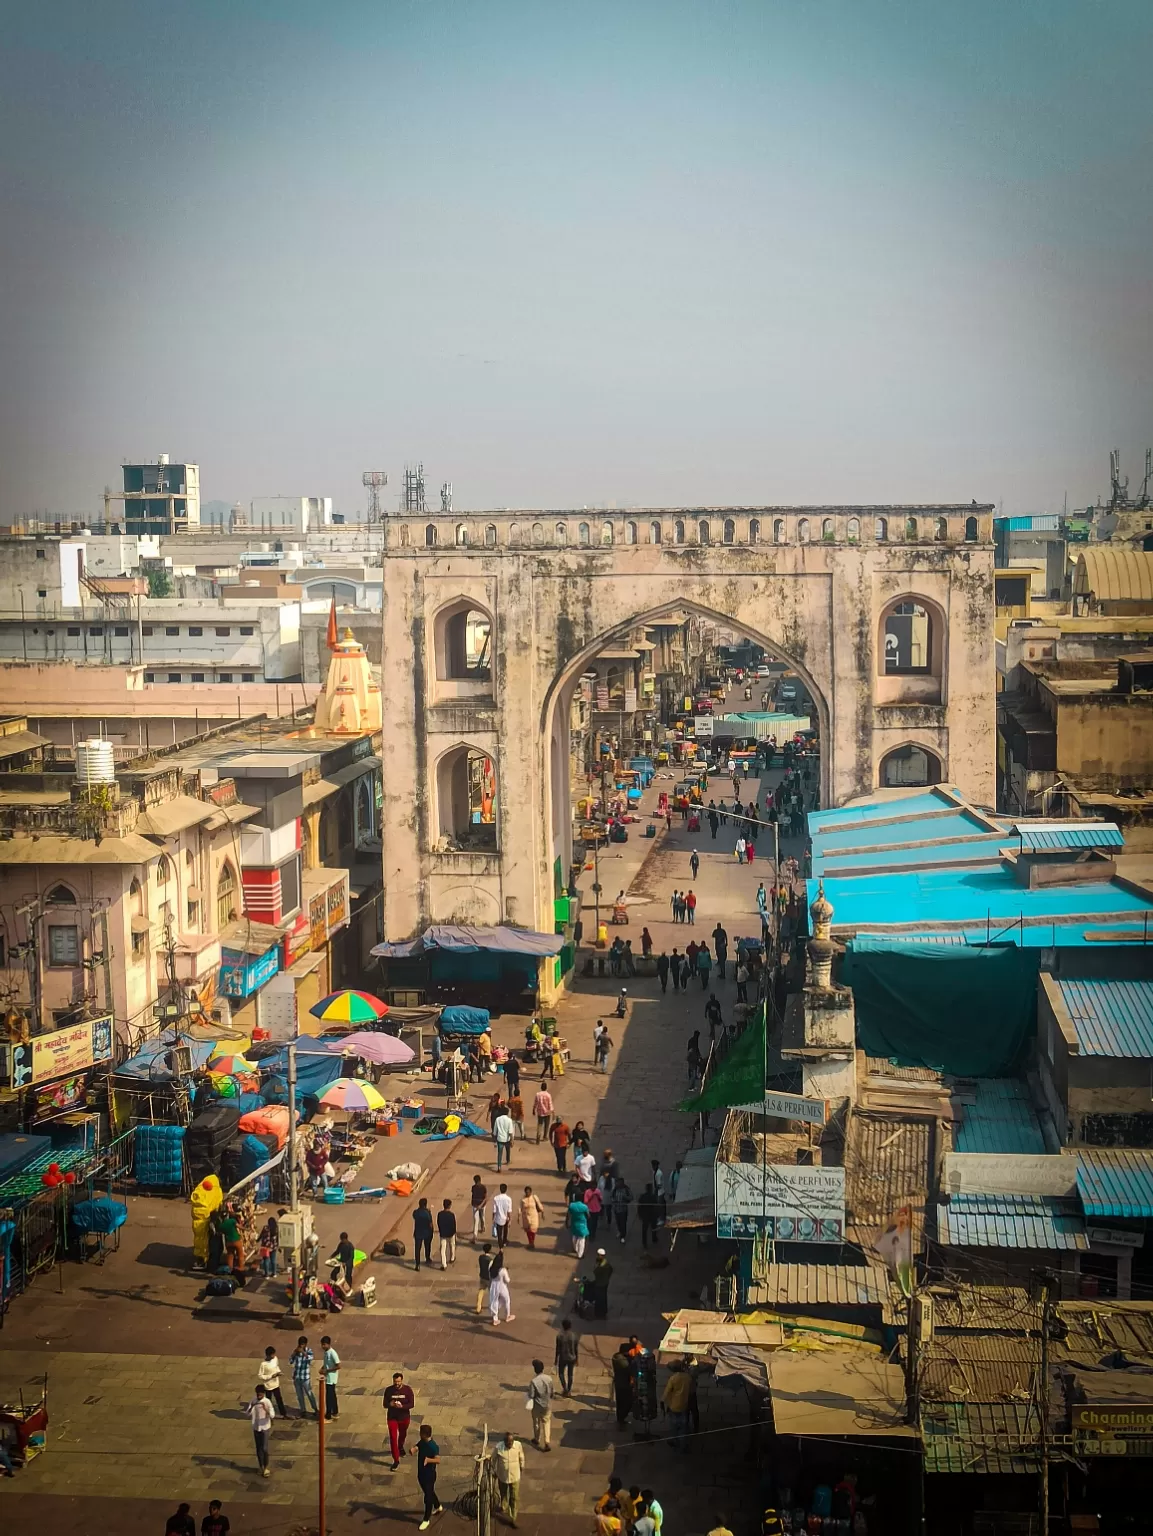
[(373, 480), (1119, 487), (414, 489), (1144, 502), (446, 491)]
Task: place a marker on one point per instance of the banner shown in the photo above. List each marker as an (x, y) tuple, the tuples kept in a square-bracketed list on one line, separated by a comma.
[(63, 1051), (787, 1203)]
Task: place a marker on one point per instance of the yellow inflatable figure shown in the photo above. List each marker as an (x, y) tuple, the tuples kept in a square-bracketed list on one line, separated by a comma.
[(204, 1199)]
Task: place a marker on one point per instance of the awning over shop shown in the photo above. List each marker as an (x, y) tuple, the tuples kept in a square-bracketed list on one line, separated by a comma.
[(462, 939), (837, 1392), (152, 1062), (696, 1200)]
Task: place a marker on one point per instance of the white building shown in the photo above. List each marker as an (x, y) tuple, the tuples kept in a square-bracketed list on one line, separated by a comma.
[(285, 514)]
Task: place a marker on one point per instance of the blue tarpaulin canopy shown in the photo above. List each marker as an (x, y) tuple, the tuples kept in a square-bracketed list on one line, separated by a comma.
[(457, 1019), (466, 940), (149, 1065)]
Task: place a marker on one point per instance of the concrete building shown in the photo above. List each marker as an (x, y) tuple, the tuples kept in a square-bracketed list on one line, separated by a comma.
[(1113, 581), (284, 514), (816, 586), (158, 497)]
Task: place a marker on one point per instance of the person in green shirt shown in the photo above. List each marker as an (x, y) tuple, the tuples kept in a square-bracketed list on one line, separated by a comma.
[(427, 1461), (233, 1247)]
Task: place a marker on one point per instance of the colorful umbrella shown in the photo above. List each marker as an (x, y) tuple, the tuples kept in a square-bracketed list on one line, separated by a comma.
[(349, 1008), (374, 1045), (230, 1064), (348, 1093)]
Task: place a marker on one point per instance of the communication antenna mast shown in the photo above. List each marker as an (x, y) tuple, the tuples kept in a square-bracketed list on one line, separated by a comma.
[(1144, 502), (373, 480), (1119, 488), (446, 494), (414, 489)]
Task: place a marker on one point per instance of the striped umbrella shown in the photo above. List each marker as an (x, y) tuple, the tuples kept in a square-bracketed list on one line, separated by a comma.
[(349, 1007), (230, 1064), (347, 1093)]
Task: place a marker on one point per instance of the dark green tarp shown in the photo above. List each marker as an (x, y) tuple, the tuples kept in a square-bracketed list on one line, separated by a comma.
[(740, 1077), (967, 1011)]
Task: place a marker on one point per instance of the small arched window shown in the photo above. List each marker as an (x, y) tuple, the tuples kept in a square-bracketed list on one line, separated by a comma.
[(538, 533), (630, 533), (226, 907), (60, 896), (908, 639), (911, 530), (970, 530), (429, 535), (561, 533), (729, 531), (704, 533), (654, 533), (404, 535), (754, 530), (881, 529), (679, 531), (163, 870), (462, 535), (853, 530), (583, 534), (803, 530), (606, 532), (513, 533), (941, 531), (490, 536), (827, 530), (778, 530), (910, 765)]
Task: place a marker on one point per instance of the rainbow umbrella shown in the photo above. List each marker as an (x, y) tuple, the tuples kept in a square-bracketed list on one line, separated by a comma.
[(230, 1064), (349, 1008), (347, 1093)]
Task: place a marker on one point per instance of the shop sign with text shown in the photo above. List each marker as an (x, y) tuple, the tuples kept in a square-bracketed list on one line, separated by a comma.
[(63, 1051)]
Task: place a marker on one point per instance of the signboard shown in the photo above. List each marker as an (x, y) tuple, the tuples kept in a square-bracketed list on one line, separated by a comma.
[(298, 942), (64, 1051), (602, 698), (703, 725), (318, 919), (337, 905), (788, 1204), (58, 1098), (241, 975), (630, 700), (1115, 1235), (1114, 1418), (789, 1106)]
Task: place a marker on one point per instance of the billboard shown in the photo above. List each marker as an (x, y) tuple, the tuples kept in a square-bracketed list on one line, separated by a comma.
[(61, 1052), (789, 1204)]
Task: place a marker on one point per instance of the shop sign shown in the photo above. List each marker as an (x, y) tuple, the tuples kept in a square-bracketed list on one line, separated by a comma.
[(789, 1106), (241, 975), (1115, 1235), (1115, 1419), (223, 793), (703, 725), (602, 698), (298, 942), (630, 700), (57, 1098), (318, 920), (788, 1204), (337, 901), (63, 1051)]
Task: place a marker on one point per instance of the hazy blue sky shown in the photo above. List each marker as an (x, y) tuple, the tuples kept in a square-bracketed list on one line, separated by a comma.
[(565, 254)]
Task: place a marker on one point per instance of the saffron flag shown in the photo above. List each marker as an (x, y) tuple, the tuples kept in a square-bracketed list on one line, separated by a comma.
[(332, 635)]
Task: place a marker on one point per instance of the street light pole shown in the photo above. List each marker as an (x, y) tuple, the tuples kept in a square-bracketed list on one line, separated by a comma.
[(293, 1181)]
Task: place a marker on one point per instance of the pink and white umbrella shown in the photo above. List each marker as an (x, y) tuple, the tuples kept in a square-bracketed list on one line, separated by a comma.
[(373, 1045)]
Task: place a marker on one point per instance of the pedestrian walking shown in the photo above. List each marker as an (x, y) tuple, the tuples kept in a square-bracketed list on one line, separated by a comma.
[(694, 1060), (301, 1362), (713, 1016), (602, 1274), (740, 848), (578, 1225), (750, 849), (695, 865), (720, 949), (559, 1136), (267, 1245), (646, 943), (663, 970), (542, 1108), (648, 1207), (268, 1374), (676, 1402), (503, 1131), (508, 1457), (584, 1162), (654, 1508), (675, 961), (704, 965), (500, 1293), (422, 1231), (540, 1393), (531, 1215), (478, 1198), (742, 982), (485, 1267), (658, 1177), (501, 1215), (594, 1205), (330, 1374), (516, 1114), (512, 1074), (622, 1199), (691, 907), (604, 1046), (399, 1401), (446, 1232), (179, 1524), (427, 1462), (567, 1356), (714, 821), (261, 1414), (622, 1385), (215, 1522)]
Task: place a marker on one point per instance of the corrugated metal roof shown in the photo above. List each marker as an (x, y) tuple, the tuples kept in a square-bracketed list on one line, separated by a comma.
[(1113, 573), (809, 1285), (979, 1367), (1050, 838), (1115, 1181), (1024, 522), (1001, 1120), (1112, 1018), (1011, 1221), (981, 1437), (887, 1165)]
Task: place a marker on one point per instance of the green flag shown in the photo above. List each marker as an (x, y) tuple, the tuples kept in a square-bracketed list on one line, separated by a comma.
[(740, 1078)]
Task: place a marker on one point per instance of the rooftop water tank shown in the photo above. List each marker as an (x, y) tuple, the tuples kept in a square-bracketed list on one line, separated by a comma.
[(95, 762)]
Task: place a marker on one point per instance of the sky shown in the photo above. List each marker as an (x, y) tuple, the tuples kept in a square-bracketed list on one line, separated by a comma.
[(656, 252)]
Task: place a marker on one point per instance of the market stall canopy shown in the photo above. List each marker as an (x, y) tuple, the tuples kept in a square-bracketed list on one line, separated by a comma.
[(349, 1007), (153, 1061), (463, 939), (373, 1045), (837, 1392), (348, 1094), (460, 1019)]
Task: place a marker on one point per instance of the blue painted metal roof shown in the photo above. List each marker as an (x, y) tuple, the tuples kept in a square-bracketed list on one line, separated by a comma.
[(974, 850), (913, 829), (1051, 839), (1112, 1018), (1002, 1119), (1115, 1181), (893, 808), (1038, 522), (1011, 1221)]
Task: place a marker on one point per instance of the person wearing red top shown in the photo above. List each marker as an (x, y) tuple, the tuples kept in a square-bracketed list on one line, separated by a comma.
[(559, 1136), (691, 906), (399, 1401)]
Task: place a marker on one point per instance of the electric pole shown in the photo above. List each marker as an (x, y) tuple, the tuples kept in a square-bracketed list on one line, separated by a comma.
[(1046, 1278)]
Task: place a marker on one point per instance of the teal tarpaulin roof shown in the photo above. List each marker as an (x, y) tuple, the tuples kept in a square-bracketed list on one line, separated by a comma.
[(1115, 1182)]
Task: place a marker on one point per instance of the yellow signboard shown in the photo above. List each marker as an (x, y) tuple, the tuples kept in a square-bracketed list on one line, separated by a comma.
[(45, 1057)]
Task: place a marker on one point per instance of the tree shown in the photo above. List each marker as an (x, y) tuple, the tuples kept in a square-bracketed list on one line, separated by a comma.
[(159, 583)]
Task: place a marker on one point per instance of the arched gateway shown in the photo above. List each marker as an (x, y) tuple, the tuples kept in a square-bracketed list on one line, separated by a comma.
[(886, 612)]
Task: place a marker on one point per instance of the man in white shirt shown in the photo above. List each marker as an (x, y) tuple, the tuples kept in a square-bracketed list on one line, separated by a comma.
[(503, 1131), (261, 1414), (585, 1164), (501, 1215), (540, 1390), (509, 1459)]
